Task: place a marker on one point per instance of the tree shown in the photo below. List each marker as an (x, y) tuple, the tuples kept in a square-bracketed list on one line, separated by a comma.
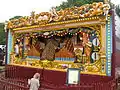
[(78, 3), (117, 21), (15, 17), (2, 34), (117, 9)]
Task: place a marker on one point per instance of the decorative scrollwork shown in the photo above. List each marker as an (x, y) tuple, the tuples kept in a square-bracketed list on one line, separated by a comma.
[(43, 18)]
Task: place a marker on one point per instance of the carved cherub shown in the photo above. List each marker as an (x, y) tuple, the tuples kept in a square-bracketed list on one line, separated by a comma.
[(106, 8), (53, 11)]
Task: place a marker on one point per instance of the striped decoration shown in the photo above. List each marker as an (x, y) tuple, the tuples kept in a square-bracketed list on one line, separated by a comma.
[(108, 45), (65, 59), (9, 49)]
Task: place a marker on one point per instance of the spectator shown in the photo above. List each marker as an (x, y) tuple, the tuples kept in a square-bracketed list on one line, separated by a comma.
[(34, 82), (1, 57)]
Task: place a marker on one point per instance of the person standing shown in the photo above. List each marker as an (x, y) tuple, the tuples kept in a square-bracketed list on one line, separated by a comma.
[(34, 82)]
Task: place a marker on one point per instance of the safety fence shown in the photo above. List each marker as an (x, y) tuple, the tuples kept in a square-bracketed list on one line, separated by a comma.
[(16, 84), (6, 85), (13, 85), (118, 79), (16, 79)]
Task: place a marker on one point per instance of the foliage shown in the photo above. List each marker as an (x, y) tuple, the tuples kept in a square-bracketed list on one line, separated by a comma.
[(118, 10), (2, 34), (15, 17), (71, 3)]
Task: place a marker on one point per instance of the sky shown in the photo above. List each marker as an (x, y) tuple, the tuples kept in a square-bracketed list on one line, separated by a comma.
[(11, 8), (115, 1)]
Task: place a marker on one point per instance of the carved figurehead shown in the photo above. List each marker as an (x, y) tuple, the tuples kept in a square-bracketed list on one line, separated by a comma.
[(106, 8), (53, 11)]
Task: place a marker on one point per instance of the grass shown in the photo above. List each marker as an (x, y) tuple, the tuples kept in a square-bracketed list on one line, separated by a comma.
[(2, 67)]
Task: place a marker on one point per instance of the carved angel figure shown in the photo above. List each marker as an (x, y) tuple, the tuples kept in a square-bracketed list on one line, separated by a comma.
[(53, 12), (106, 8)]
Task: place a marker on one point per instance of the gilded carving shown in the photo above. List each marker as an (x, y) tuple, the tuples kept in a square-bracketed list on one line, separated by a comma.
[(88, 10)]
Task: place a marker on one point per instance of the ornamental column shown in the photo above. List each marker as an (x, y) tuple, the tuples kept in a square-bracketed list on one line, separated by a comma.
[(103, 38)]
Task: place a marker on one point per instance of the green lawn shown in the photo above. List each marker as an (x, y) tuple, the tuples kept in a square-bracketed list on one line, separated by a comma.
[(2, 67)]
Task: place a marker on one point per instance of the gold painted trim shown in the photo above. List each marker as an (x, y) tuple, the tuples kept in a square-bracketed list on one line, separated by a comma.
[(54, 69), (59, 23)]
